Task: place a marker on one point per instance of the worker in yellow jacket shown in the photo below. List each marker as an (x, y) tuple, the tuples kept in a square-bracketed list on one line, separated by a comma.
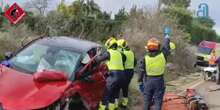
[(152, 68), (115, 63), (128, 72)]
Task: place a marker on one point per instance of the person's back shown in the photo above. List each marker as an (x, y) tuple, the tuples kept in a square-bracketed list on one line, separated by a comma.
[(114, 61)]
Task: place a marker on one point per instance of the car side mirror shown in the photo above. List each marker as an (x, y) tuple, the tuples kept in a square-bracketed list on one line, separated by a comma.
[(8, 55)]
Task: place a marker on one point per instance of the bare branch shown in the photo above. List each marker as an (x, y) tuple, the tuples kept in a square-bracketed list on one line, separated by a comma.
[(38, 5)]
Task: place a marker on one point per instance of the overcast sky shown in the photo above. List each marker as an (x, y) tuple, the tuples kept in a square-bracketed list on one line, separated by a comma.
[(114, 5)]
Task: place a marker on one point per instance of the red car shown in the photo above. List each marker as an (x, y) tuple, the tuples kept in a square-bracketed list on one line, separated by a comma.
[(53, 73)]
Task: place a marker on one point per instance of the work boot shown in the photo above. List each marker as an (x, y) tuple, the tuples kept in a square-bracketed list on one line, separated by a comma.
[(111, 106), (124, 102), (116, 104), (101, 106)]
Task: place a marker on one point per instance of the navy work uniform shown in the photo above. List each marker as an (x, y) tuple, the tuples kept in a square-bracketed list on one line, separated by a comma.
[(114, 81), (152, 68), (128, 72)]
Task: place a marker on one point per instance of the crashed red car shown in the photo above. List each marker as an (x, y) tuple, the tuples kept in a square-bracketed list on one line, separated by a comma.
[(53, 73)]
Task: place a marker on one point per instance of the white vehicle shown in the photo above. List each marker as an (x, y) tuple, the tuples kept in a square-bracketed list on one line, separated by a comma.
[(211, 73)]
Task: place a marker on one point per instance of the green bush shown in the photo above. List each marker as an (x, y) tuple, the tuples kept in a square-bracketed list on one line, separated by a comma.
[(2, 57), (181, 15), (201, 32), (80, 19), (199, 28)]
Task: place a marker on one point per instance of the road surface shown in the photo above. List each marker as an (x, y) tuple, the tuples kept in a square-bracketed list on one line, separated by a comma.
[(212, 98)]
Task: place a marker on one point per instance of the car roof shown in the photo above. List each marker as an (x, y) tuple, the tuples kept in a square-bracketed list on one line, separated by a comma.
[(207, 44), (72, 43)]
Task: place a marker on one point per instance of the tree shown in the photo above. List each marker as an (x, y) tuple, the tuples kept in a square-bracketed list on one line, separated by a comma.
[(201, 29), (218, 38), (121, 15), (39, 5), (179, 3), (120, 18), (83, 19), (182, 16), (200, 32), (206, 21), (62, 8)]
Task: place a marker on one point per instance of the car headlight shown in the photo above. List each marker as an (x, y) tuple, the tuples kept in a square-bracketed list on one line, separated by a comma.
[(208, 56)]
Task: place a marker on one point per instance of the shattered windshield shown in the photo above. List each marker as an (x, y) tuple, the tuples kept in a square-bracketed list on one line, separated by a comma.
[(39, 57)]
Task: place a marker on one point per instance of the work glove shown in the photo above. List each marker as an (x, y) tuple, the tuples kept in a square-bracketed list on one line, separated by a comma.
[(141, 87)]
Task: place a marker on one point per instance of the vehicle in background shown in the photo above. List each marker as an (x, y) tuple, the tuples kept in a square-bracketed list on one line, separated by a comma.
[(204, 51), (211, 73), (52, 73)]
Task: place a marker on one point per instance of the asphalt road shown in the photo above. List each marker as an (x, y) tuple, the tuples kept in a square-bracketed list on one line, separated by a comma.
[(212, 98)]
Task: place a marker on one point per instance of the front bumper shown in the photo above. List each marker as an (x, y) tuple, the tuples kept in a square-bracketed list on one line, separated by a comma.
[(201, 62)]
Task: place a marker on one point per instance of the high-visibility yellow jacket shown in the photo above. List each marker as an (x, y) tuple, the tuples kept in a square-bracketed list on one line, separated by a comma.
[(115, 62), (130, 59), (155, 66)]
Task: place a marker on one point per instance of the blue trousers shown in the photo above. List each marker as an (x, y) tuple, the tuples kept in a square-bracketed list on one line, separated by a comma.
[(115, 81), (154, 89), (128, 74)]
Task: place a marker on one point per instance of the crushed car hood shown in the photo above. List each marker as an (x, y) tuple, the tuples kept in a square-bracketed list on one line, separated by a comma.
[(18, 91)]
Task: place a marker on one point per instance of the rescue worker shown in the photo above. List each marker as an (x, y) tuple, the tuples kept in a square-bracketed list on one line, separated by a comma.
[(172, 48), (212, 60), (128, 73), (115, 62), (152, 68)]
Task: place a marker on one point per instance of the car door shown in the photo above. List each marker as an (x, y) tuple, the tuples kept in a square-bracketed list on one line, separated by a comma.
[(92, 81)]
